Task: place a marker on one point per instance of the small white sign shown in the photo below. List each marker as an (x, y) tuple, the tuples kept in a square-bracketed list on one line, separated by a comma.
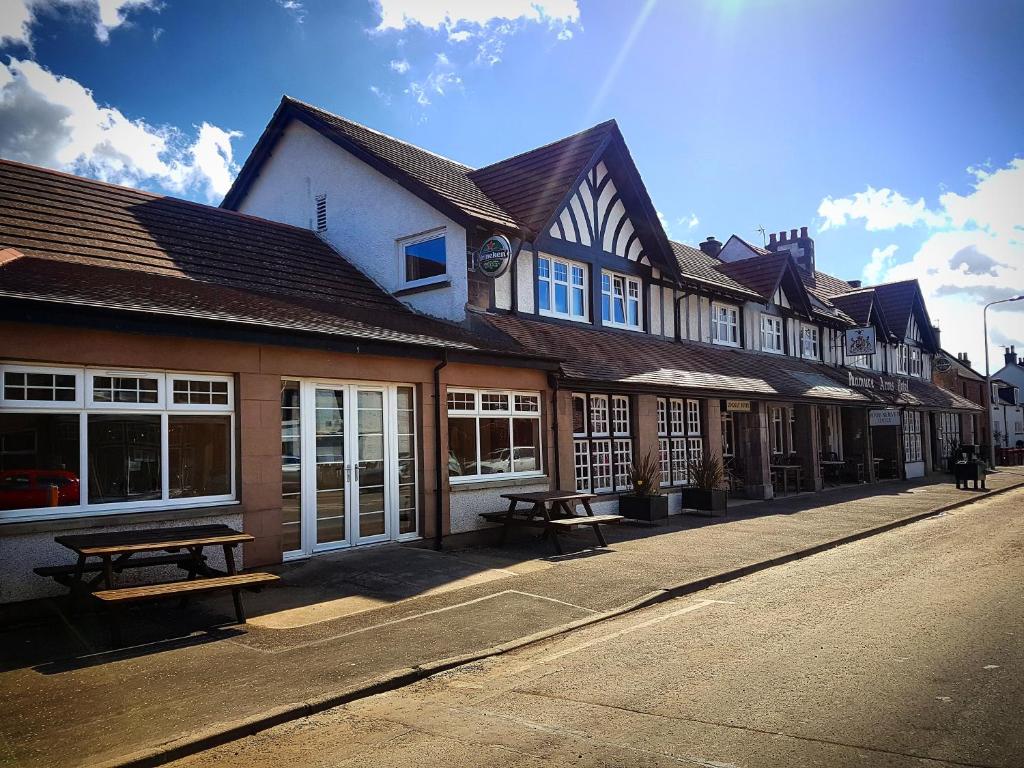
[(884, 418), (860, 341)]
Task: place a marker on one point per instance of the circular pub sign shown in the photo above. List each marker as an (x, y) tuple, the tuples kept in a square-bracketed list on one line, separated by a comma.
[(942, 364), (494, 256)]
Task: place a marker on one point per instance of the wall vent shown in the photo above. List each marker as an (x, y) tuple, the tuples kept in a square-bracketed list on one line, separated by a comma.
[(321, 213)]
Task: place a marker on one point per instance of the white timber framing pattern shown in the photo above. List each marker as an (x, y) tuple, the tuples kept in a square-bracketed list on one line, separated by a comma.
[(595, 216)]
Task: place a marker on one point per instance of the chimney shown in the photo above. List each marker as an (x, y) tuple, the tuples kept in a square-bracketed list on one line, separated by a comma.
[(792, 234), (803, 232), (711, 247), (853, 283), (1010, 355), (962, 357), (937, 332), (772, 240)]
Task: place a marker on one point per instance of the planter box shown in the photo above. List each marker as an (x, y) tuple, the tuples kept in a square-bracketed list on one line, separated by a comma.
[(649, 508), (708, 502)]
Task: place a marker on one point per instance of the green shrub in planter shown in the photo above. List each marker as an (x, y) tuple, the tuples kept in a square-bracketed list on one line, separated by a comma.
[(705, 494), (645, 501)]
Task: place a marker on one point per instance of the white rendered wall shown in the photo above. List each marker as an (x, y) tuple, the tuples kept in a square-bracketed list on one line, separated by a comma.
[(466, 502), (503, 291), (366, 214), (524, 284)]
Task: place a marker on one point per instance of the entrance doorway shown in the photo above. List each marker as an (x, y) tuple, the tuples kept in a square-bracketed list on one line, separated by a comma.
[(349, 465)]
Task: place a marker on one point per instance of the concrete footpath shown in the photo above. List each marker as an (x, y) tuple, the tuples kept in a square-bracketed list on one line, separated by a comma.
[(361, 622)]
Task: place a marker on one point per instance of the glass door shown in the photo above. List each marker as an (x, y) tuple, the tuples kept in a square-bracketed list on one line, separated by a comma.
[(332, 472), (370, 468)]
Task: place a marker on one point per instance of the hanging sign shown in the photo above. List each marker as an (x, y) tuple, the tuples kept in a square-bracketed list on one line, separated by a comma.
[(494, 256), (860, 341), (942, 364), (737, 406), (883, 418)]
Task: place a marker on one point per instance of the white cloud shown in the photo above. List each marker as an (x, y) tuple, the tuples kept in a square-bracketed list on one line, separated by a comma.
[(879, 208), (295, 8), (441, 80), (54, 121), (401, 66), (18, 16), (384, 97), (973, 255), (692, 222), (447, 14), (881, 258)]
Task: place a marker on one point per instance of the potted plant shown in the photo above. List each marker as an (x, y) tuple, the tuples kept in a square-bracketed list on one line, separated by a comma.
[(645, 501), (707, 478)]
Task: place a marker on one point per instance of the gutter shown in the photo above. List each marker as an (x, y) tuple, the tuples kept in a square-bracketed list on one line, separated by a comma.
[(438, 491)]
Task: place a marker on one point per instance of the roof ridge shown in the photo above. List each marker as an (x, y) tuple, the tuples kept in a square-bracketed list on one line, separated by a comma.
[(336, 116), (606, 123), (153, 195)]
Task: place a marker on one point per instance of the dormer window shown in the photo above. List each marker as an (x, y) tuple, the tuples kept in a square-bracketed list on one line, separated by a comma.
[(771, 334), (809, 342), (620, 301), (424, 259), (915, 362), (902, 359), (725, 325), (561, 288)]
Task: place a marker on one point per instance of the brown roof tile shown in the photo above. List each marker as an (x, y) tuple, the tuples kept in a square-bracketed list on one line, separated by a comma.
[(697, 266)]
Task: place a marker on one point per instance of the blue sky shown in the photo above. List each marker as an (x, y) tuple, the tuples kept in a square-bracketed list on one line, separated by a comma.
[(891, 129)]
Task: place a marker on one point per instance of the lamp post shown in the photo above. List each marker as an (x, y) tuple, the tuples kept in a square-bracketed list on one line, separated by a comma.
[(988, 377)]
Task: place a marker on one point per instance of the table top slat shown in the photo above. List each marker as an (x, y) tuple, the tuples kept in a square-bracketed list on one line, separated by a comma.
[(536, 497), (121, 542)]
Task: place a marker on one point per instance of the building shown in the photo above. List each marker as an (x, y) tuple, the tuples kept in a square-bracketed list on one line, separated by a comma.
[(369, 342), (1007, 410), (954, 373)]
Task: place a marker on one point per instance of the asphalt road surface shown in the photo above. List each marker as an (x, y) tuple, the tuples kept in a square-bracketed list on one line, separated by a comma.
[(905, 649)]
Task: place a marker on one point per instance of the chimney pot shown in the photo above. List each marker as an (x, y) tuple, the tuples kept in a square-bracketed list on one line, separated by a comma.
[(771, 238), (782, 236), (803, 231), (711, 246), (853, 283), (792, 234)]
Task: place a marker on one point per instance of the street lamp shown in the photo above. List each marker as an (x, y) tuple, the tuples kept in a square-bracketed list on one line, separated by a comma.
[(988, 377)]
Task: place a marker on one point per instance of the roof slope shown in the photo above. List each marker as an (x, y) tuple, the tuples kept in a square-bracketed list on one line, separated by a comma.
[(531, 185), (857, 305), (697, 266), (761, 274), (896, 301)]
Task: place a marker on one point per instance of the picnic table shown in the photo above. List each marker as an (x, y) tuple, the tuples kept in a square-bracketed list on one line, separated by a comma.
[(552, 511), (109, 553), (784, 470), (832, 469)]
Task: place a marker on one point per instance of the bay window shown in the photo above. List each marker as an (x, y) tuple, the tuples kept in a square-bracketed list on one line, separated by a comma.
[(620, 301), (121, 439), (561, 288), (680, 438), (725, 324), (771, 334), (602, 442), (493, 434)]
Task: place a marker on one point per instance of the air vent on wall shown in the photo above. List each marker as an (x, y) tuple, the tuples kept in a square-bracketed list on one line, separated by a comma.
[(321, 213)]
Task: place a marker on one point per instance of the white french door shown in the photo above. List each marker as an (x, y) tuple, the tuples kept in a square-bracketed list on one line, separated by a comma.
[(357, 465)]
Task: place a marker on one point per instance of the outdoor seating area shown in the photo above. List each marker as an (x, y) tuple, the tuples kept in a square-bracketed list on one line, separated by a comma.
[(102, 555), (551, 511)]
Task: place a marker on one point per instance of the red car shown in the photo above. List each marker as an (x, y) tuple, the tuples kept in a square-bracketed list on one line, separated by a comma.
[(31, 488)]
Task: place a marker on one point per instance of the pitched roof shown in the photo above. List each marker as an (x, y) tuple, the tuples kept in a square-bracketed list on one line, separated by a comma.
[(632, 360), (857, 305), (445, 182), (79, 242), (896, 301), (700, 268), (762, 274), (529, 186)]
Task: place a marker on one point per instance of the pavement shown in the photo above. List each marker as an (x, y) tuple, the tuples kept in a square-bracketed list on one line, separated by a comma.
[(347, 625), (903, 649)]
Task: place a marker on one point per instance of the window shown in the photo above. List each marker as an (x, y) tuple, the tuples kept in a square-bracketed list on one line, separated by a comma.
[(141, 451), (603, 444), (947, 434), (912, 436), (915, 361), (902, 358), (679, 438), (728, 434), (620, 301), (561, 288), (424, 259), (777, 432), (291, 467), (771, 333), (725, 325), (493, 434), (809, 342)]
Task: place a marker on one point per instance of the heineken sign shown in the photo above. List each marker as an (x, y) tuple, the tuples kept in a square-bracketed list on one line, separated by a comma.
[(494, 256), (942, 364)]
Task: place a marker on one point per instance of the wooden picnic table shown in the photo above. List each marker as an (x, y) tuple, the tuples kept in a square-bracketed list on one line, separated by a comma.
[(784, 470), (832, 469), (551, 511), (108, 553)]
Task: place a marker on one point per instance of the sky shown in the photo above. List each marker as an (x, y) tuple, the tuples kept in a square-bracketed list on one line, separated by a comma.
[(894, 130)]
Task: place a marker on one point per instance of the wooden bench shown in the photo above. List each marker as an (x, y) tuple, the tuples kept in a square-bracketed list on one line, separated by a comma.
[(196, 586), (578, 520), (553, 511)]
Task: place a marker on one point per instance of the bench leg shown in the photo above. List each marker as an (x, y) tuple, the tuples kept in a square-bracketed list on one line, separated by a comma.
[(236, 594), (508, 521), (77, 585), (597, 528)]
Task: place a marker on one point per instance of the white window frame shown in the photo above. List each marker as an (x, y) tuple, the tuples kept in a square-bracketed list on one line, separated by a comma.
[(915, 362), (84, 407), (403, 242), (913, 449), (590, 446), (902, 358), (626, 283), (717, 324), (680, 438), (810, 333), (549, 286), (772, 330), (510, 413), (172, 377)]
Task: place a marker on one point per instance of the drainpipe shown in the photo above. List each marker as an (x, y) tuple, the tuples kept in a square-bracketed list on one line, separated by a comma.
[(438, 489), (553, 380)]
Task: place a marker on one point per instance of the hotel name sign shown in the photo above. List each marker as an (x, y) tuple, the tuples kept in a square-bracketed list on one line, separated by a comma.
[(884, 384), (737, 406)]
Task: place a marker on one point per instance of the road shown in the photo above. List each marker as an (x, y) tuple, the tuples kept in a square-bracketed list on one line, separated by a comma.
[(905, 649)]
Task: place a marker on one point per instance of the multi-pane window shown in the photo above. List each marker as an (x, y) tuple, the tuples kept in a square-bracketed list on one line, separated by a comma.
[(912, 436), (779, 430), (561, 288), (141, 446), (493, 433), (728, 434), (725, 324), (771, 333), (291, 466), (902, 358), (947, 429), (915, 361), (680, 438), (424, 259), (620, 301), (809, 342), (603, 442)]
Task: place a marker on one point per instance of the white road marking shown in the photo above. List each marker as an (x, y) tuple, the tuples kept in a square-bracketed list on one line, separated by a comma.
[(612, 635)]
